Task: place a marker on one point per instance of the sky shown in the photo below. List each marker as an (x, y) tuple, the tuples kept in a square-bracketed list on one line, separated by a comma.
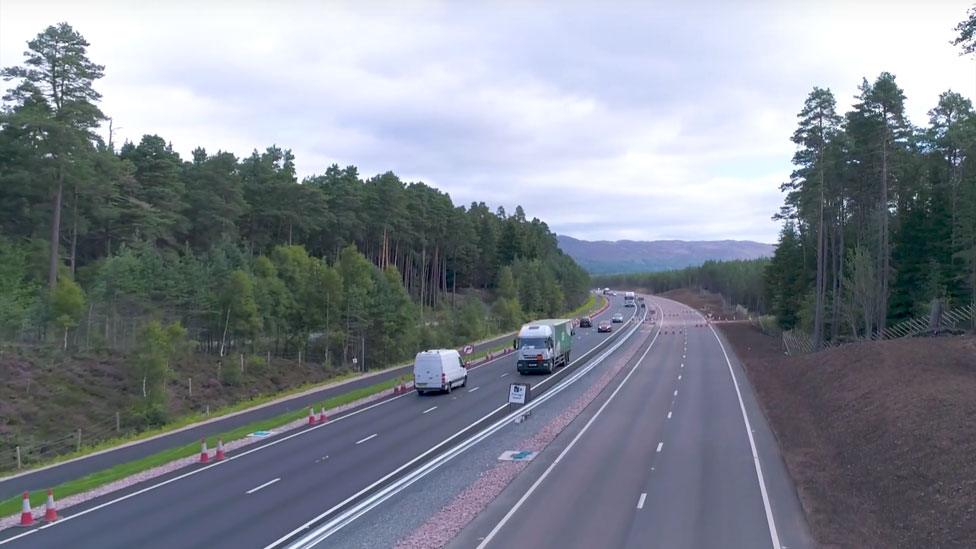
[(607, 120)]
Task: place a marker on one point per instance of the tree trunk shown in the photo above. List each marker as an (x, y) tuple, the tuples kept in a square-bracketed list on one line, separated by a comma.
[(818, 313), (883, 236), (74, 228), (52, 273)]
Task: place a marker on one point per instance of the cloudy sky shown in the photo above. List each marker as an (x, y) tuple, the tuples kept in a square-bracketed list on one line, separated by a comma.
[(608, 120)]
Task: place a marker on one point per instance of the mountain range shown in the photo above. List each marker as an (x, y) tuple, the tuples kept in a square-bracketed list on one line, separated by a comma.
[(631, 256)]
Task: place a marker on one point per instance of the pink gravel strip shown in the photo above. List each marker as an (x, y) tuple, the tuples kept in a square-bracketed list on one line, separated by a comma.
[(155, 472), (444, 525)]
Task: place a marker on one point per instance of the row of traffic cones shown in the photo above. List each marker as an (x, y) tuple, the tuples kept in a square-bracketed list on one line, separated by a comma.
[(50, 512), (401, 389), (205, 456), (313, 420)]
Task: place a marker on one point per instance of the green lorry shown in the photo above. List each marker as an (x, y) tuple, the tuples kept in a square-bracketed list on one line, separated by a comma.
[(544, 345)]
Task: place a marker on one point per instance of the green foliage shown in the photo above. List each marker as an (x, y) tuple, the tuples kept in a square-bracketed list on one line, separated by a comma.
[(159, 345), (18, 287), (240, 305), (67, 304)]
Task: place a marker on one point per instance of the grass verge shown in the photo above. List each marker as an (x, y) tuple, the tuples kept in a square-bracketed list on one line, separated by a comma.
[(12, 505)]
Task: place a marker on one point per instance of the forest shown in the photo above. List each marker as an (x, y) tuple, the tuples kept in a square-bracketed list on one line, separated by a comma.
[(136, 249), (739, 281)]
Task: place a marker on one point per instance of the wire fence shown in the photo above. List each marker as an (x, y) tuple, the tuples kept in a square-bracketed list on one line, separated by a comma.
[(797, 342), (24, 451)]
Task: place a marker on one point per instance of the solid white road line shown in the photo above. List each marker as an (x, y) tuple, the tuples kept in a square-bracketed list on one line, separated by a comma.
[(659, 446), (640, 502), (773, 534), (372, 436), (475, 389), (377, 499), (429, 409), (265, 485), (511, 512), (271, 443)]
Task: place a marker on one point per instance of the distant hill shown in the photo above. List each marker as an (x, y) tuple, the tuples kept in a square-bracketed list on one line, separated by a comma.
[(631, 256)]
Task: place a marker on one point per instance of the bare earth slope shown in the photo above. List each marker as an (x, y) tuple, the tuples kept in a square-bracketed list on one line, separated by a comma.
[(880, 437)]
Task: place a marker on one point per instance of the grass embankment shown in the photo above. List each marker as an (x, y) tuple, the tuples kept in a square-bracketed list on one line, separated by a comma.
[(101, 478), (12, 505)]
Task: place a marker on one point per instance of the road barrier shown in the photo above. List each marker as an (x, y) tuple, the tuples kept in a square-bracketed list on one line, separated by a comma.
[(204, 456), (220, 450), (311, 416), (322, 416)]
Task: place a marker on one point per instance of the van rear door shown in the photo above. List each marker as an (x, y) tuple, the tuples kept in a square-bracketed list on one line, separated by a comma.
[(427, 370)]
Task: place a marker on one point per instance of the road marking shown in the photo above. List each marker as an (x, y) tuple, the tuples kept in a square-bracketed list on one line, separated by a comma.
[(659, 446), (682, 364), (679, 377), (669, 415), (675, 392), (298, 433), (372, 436), (773, 534), (505, 374), (265, 485), (428, 410), (511, 512), (475, 389), (326, 530), (640, 502)]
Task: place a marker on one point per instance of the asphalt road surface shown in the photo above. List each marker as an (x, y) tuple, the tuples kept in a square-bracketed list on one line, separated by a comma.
[(667, 461), (52, 476), (262, 492)]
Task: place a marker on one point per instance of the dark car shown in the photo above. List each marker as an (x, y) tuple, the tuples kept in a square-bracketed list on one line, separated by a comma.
[(585, 322), (604, 327)]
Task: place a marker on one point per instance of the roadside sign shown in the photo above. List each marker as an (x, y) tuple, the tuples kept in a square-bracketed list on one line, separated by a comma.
[(468, 349), (517, 455), (518, 393)]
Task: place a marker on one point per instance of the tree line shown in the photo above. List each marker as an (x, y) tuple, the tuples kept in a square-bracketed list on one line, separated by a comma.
[(879, 219), (739, 281), (98, 241)]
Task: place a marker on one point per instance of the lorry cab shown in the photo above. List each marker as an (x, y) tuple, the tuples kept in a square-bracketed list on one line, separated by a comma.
[(438, 370), (544, 345)]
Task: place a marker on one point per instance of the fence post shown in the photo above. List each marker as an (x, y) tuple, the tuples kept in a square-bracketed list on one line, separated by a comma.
[(299, 358), (189, 383), (208, 410), (79, 440), (118, 423), (18, 458)]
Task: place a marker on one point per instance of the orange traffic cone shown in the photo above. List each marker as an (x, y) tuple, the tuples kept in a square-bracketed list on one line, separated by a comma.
[(311, 416), (204, 456), (26, 518), (220, 450), (322, 417), (50, 513)]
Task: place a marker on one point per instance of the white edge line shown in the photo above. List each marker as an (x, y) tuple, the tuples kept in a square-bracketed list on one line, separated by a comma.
[(500, 423), (265, 485), (572, 443), (370, 437), (432, 449), (773, 534)]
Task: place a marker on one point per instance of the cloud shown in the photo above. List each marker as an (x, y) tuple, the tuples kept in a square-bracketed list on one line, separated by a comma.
[(628, 120)]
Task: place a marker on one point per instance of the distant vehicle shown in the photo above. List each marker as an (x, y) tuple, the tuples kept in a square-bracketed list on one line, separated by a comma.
[(640, 298), (629, 298), (604, 327), (544, 345), (606, 291), (585, 322), (617, 318), (438, 370)]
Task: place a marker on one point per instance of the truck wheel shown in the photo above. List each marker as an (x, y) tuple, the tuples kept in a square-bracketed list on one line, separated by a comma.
[(420, 392), (448, 388), (465, 382)]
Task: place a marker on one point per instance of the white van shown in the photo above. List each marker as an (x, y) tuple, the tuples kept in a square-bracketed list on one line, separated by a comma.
[(439, 370)]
